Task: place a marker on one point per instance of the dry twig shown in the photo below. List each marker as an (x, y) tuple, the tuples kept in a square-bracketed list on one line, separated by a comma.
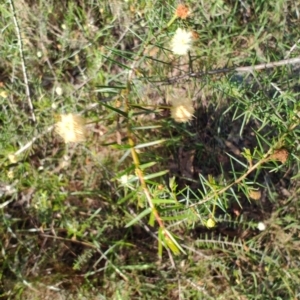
[(20, 44)]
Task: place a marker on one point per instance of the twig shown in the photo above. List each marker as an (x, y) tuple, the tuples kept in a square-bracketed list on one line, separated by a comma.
[(20, 44), (249, 69), (270, 65), (292, 49)]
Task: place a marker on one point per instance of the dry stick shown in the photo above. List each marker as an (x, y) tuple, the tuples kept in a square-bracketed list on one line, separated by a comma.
[(292, 49), (20, 44), (269, 65), (233, 69)]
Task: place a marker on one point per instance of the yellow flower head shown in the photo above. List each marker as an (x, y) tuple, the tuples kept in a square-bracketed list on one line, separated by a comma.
[(182, 110), (10, 174), (211, 223), (12, 158), (71, 128), (182, 41)]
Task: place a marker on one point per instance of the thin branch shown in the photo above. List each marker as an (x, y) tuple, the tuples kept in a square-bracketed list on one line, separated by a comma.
[(187, 76), (292, 49), (270, 65), (20, 44)]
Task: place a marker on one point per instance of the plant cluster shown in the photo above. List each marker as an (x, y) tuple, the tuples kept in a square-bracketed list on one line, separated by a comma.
[(149, 149)]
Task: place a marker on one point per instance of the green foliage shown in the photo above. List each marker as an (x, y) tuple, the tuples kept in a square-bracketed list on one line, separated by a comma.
[(147, 207)]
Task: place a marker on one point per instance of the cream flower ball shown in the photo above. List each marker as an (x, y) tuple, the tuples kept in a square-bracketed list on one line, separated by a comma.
[(182, 110), (71, 128), (182, 41)]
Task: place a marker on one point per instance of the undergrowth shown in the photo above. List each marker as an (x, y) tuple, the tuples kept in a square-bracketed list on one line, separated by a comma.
[(180, 180)]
